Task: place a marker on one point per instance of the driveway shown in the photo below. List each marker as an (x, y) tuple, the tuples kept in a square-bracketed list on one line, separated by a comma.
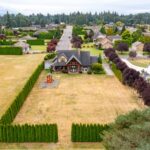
[(65, 41)]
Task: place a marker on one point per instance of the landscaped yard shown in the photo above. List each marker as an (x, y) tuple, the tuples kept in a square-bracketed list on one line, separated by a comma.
[(14, 72), (77, 99), (141, 62), (39, 47)]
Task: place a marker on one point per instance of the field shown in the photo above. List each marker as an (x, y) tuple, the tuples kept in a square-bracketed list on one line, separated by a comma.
[(141, 62), (14, 72), (78, 99), (39, 47)]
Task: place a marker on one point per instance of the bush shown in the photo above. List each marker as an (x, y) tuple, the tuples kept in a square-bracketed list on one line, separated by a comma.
[(29, 133), (117, 72), (89, 72), (4, 42), (49, 56), (132, 54), (12, 111), (87, 132), (100, 59), (35, 42), (11, 51), (97, 68)]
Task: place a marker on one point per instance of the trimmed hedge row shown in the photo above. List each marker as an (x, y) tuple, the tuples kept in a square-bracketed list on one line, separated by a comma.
[(117, 72), (29, 133), (35, 42), (12, 111), (11, 51), (87, 132)]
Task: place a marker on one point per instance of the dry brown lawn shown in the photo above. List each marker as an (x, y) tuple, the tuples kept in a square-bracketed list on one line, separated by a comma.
[(14, 72), (77, 99)]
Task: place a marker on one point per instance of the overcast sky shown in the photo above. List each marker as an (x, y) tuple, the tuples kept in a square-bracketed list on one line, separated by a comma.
[(67, 6)]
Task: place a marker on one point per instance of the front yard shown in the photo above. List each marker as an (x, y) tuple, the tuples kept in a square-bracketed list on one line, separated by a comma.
[(39, 47), (77, 99)]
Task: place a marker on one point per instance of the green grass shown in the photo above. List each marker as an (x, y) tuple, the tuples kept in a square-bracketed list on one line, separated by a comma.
[(39, 47)]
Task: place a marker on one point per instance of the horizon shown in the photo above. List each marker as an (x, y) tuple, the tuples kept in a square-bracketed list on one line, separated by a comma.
[(45, 7)]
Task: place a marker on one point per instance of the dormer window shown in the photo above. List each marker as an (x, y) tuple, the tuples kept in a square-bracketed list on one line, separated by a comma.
[(62, 59)]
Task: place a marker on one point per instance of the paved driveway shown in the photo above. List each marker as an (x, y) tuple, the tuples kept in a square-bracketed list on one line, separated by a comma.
[(64, 43)]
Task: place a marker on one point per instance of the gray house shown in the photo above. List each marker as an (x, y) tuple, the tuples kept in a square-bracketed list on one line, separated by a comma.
[(73, 61)]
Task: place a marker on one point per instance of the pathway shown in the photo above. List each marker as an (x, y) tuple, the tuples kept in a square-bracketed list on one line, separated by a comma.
[(107, 69), (65, 43)]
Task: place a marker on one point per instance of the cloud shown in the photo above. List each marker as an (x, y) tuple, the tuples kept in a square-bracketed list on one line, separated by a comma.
[(67, 6)]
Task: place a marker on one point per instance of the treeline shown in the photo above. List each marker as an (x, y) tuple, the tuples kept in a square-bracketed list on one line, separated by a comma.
[(19, 20), (29, 133), (129, 76), (87, 132), (12, 111)]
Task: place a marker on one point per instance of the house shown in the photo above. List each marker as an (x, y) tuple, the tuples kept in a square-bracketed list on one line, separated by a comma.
[(137, 46), (51, 26), (114, 38), (28, 37), (73, 61), (40, 31), (106, 43), (25, 46)]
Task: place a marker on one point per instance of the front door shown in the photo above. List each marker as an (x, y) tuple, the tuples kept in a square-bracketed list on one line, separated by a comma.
[(73, 68)]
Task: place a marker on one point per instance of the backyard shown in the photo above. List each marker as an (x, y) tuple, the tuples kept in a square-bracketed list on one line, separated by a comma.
[(75, 101), (14, 72)]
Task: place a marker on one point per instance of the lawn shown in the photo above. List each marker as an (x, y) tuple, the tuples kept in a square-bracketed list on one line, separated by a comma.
[(39, 47), (14, 72), (78, 99), (141, 62)]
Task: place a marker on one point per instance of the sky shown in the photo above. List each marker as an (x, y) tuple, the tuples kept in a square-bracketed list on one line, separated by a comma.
[(66, 6)]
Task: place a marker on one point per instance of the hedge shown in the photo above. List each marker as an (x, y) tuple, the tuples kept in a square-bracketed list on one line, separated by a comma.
[(12, 111), (11, 51), (29, 133), (87, 132), (35, 42), (116, 71)]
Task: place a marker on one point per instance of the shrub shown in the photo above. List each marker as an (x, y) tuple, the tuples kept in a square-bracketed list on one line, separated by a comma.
[(11, 51), (36, 42), (117, 72), (100, 59), (28, 133), (49, 56), (87, 132), (97, 68), (132, 54), (89, 72)]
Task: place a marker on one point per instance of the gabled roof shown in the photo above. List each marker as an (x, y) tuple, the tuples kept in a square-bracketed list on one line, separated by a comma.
[(74, 58)]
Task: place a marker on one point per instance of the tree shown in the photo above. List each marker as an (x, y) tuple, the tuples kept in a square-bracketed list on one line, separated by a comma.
[(146, 47), (126, 35), (100, 59), (122, 47), (132, 54), (102, 30), (136, 35), (146, 96), (8, 20)]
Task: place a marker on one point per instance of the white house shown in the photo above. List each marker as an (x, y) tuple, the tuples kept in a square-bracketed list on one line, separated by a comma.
[(137, 46)]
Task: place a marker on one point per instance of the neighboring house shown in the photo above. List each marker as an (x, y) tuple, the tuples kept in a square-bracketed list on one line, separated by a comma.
[(28, 28), (137, 46), (106, 43), (114, 38), (146, 33), (131, 29), (73, 61), (25, 46), (28, 37), (51, 26), (40, 31)]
